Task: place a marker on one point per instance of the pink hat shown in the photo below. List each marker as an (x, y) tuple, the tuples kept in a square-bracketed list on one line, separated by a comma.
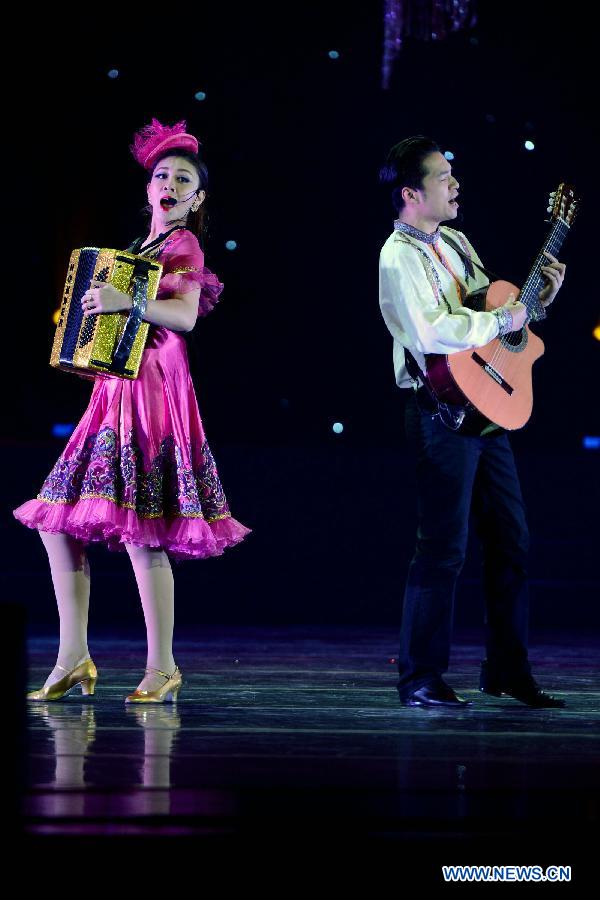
[(151, 140)]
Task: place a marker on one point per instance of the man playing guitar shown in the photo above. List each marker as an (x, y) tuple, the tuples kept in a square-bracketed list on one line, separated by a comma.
[(425, 275)]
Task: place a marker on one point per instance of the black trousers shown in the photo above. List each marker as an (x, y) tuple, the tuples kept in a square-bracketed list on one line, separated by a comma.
[(458, 476)]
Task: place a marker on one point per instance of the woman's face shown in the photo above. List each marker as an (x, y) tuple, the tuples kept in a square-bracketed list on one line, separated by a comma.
[(172, 189)]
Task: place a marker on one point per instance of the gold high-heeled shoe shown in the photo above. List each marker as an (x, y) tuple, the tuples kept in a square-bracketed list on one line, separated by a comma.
[(84, 674), (168, 692)]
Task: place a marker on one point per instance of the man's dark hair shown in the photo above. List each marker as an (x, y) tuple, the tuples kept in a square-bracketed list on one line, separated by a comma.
[(404, 166)]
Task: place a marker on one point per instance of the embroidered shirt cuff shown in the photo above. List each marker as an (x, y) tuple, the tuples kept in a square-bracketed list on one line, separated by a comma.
[(505, 320)]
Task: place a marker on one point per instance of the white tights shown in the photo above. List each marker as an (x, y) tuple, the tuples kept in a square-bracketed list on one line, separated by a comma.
[(70, 571)]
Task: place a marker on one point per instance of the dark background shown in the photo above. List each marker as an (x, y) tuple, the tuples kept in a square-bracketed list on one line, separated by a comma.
[(293, 141)]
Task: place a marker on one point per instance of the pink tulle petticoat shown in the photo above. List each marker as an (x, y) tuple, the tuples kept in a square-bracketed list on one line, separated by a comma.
[(101, 520)]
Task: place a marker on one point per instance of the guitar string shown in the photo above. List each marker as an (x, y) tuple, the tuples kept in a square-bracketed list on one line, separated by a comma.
[(501, 350), (553, 244), (462, 292)]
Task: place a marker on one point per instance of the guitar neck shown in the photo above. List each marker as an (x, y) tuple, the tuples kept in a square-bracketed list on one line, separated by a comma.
[(535, 280)]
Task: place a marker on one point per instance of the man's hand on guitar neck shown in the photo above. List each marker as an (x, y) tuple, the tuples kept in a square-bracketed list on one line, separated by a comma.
[(554, 274)]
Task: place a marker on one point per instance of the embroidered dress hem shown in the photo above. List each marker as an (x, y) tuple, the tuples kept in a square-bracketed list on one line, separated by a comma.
[(91, 520)]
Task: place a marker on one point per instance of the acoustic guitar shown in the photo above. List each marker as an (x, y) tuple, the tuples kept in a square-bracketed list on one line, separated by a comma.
[(481, 390)]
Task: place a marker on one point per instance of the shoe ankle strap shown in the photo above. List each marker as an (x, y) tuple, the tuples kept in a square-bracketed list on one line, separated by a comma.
[(74, 667), (158, 672)]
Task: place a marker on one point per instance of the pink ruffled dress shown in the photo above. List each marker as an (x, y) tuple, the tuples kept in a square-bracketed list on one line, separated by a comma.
[(137, 468)]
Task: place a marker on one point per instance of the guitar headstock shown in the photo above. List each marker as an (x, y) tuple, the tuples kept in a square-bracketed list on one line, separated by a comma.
[(563, 204)]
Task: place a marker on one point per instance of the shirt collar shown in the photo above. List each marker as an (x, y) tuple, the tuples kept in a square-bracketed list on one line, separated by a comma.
[(416, 233)]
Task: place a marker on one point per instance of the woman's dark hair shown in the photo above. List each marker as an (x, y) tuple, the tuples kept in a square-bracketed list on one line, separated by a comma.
[(196, 221), (404, 166)]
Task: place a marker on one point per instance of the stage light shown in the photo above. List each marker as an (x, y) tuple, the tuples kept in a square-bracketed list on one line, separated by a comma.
[(591, 442), (113, 73), (62, 430), (56, 316), (529, 145), (231, 245), (596, 332), (449, 155), (200, 95), (333, 54), (337, 427)]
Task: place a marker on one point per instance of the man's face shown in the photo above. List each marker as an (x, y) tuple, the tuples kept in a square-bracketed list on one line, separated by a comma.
[(437, 197)]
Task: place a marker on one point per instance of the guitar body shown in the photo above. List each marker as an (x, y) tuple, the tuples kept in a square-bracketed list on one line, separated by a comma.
[(484, 390), (492, 383)]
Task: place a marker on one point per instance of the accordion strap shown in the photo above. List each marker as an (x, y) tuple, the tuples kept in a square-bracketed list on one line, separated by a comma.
[(134, 320), (138, 244)]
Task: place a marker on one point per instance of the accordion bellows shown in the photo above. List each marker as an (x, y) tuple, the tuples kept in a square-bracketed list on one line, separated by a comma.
[(105, 342)]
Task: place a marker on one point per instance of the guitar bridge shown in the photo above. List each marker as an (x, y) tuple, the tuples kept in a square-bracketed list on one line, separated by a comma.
[(493, 373)]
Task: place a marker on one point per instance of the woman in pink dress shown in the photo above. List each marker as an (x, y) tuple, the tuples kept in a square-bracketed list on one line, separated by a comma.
[(137, 473)]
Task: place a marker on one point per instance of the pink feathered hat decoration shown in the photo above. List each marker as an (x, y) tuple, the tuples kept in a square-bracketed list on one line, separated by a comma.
[(151, 140)]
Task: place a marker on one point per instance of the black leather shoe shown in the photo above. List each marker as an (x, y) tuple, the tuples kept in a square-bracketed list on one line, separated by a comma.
[(525, 689), (438, 694)]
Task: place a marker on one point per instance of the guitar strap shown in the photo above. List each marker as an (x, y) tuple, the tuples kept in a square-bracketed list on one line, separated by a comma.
[(412, 366), (414, 370), (469, 260)]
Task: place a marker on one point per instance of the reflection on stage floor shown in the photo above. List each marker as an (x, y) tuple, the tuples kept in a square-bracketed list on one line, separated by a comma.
[(280, 726)]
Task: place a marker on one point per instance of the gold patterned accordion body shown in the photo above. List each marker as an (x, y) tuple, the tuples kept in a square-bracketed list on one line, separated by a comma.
[(104, 342)]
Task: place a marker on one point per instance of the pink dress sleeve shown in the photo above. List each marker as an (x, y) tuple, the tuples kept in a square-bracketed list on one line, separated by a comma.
[(184, 270)]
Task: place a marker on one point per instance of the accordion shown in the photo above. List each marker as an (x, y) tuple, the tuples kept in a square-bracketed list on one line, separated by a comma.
[(104, 342)]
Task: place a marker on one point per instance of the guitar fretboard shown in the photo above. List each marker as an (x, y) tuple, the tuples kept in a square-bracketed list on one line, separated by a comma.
[(535, 280)]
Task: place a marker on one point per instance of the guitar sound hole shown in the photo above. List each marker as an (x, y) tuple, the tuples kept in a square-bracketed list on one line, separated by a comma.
[(515, 341), (513, 338)]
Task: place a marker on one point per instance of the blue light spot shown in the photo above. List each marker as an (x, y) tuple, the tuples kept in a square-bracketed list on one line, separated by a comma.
[(338, 427), (333, 54), (62, 430), (529, 145), (591, 442), (113, 73), (200, 95), (231, 245), (449, 155)]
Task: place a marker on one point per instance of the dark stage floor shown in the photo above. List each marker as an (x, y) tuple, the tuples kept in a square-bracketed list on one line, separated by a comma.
[(298, 729)]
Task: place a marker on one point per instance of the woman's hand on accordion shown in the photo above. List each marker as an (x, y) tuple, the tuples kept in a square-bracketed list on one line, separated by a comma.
[(101, 297)]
